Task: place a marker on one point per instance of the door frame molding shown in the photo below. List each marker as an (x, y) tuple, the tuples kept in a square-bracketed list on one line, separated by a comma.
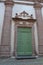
[(16, 27), (19, 22)]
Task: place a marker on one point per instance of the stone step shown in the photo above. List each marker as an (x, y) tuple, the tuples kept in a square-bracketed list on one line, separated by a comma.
[(26, 57)]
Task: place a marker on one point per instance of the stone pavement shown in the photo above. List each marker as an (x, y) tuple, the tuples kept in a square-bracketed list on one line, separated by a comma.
[(13, 61)]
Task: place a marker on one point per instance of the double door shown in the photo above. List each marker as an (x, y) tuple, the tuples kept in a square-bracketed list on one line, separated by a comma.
[(24, 42)]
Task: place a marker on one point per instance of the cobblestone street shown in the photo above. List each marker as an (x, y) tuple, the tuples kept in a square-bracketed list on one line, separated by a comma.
[(13, 61)]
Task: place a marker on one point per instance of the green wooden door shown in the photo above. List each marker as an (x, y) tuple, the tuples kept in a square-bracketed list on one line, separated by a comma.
[(24, 41)]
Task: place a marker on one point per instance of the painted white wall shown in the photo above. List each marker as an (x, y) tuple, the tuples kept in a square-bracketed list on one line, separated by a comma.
[(42, 12), (36, 38), (2, 10), (12, 37)]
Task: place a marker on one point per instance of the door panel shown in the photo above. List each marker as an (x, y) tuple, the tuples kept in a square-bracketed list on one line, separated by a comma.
[(24, 41)]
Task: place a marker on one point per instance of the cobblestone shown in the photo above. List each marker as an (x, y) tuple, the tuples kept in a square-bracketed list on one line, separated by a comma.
[(13, 61)]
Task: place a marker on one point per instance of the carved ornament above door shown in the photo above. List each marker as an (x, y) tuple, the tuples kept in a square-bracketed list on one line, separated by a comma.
[(24, 18)]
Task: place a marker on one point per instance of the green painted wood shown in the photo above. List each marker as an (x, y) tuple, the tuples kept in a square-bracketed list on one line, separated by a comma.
[(24, 41)]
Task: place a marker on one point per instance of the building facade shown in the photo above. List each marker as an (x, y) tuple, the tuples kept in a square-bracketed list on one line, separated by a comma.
[(27, 32)]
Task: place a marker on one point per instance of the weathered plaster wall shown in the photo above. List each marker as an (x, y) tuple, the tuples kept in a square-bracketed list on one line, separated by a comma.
[(2, 11)]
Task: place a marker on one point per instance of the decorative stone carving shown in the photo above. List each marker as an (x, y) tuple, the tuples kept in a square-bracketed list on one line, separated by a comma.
[(24, 19), (20, 22), (24, 15)]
